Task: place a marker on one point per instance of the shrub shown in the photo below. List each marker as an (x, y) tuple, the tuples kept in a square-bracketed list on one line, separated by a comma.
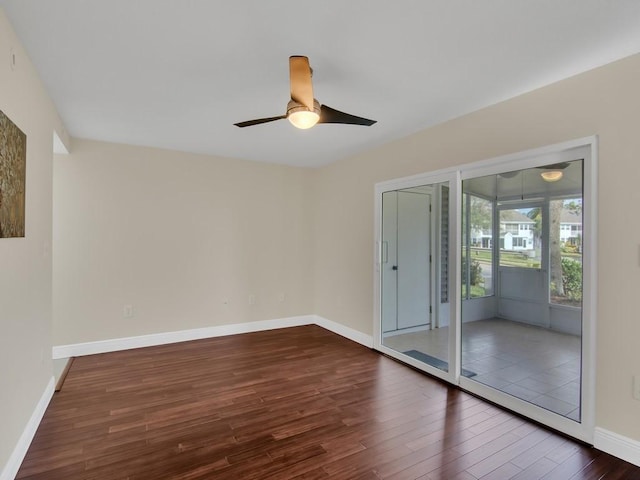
[(475, 272), (572, 279)]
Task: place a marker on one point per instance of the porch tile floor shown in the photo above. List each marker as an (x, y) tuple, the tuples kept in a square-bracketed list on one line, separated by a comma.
[(531, 363)]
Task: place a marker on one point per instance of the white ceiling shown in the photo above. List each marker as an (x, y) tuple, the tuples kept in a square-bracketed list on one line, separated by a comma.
[(178, 74)]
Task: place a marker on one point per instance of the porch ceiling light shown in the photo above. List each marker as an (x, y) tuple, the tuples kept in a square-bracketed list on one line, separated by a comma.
[(551, 175)]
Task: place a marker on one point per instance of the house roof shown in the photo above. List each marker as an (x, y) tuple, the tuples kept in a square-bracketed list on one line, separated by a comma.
[(570, 216), (513, 216), (178, 75)]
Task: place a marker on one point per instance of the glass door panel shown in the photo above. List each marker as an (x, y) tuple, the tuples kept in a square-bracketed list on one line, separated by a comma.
[(414, 273), (523, 335)]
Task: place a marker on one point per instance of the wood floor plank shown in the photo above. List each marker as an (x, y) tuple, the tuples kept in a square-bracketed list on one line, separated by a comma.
[(298, 403)]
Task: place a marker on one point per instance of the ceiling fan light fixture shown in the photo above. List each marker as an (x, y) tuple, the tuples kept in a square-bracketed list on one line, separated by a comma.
[(303, 111), (551, 175), (301, 117)]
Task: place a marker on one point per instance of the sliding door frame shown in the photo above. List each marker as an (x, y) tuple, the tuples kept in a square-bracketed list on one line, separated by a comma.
[(585, 148)]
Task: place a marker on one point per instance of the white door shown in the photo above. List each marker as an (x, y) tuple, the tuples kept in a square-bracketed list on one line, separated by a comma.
[(414, 249), (406, 252)]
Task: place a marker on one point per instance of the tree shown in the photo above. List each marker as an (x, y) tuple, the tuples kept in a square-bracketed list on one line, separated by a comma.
[(555, 254), (479, 213), (574, 206)]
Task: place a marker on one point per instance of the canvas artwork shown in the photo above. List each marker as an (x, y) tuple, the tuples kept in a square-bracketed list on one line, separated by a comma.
[(13, 160)]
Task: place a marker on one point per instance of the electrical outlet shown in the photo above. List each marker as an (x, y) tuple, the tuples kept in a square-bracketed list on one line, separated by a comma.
[(636, 387), (252, 299), (127, 311), (281, 298)]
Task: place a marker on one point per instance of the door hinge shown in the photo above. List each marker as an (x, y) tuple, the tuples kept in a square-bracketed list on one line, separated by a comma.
[(430, 309)]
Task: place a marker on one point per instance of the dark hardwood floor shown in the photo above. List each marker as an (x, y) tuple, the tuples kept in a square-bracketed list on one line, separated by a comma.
[(298, 403)]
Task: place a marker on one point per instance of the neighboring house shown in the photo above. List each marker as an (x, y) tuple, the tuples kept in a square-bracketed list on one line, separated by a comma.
[(570, 228), (517, 231)]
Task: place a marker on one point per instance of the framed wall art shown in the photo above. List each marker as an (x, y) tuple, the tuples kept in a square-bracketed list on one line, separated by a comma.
[(13, 160)]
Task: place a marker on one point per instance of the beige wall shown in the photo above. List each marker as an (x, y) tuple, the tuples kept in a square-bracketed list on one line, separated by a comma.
[(605, 102), (175, 235), (25, 275)]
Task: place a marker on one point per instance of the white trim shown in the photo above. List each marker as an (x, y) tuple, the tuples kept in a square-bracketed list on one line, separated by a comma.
[(589, 284), (59, 147), (17, 456), (377, 260), (617, 445), (420, 328), (116, 344), (347, 332)]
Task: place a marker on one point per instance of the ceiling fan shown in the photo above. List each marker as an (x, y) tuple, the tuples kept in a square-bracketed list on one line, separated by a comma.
[(303, 110), (555, 166)]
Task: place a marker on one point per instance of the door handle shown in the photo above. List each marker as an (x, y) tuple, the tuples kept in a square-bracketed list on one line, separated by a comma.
[(395, 267)]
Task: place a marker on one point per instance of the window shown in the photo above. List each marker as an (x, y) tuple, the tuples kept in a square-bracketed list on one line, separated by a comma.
[(520, 246), (511, 228), (477, 253), (520, 242), (565, 251)]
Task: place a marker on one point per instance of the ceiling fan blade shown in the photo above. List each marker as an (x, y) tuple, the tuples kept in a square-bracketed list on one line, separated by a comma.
[(555, 166), (300, 80), (258, 121), (331, 115)]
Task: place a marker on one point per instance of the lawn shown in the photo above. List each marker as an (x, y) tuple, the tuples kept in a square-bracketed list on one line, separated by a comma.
[(515, 259)]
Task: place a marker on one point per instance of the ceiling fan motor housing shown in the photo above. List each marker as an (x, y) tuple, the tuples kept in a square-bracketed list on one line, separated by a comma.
[(294, 106)]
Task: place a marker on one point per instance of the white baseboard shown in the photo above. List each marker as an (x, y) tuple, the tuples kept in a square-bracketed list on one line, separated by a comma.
[(347, 332), (402, 331), (617, 445), (15, 460), (126, 343)]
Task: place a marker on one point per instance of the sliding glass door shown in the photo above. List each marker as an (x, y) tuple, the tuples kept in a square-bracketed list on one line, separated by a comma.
[(485, 278)]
